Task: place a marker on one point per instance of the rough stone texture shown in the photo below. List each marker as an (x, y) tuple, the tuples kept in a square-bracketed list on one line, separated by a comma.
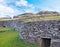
[(33, 31), (1, 23)]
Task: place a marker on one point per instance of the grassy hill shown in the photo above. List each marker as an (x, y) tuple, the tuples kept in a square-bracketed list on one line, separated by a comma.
[(10, 38), (34, 18), (40, 16)]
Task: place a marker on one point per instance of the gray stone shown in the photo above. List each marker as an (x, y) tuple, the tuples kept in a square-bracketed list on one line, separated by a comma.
[(34, 32)]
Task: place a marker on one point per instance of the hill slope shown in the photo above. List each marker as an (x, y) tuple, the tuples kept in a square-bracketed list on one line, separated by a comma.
[(41, 16)]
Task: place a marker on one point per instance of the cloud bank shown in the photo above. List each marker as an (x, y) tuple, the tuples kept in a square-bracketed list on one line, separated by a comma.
[(10, 8)]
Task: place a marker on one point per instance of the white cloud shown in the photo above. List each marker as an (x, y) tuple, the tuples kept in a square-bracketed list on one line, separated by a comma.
[(51, 5), (8, 11), (28, 11), (22, 3), (1, 0), (4, 11), (29, 8)]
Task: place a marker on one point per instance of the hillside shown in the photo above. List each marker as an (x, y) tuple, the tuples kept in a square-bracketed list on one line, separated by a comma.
[(40, 16)]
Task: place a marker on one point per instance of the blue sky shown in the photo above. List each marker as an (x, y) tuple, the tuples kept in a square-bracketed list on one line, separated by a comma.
[(10, 8)]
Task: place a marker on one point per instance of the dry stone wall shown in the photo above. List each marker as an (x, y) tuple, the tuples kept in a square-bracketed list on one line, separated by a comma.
[(1, 23), (33, 31), (45, 29)]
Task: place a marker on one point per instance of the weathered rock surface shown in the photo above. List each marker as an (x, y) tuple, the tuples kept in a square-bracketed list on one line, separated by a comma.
[(33, 31)]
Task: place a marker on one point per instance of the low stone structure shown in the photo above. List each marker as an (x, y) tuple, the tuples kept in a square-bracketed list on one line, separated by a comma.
[(45, 33)]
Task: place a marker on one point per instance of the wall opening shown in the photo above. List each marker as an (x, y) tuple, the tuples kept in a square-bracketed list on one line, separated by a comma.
[(4, 26), (46, 42)]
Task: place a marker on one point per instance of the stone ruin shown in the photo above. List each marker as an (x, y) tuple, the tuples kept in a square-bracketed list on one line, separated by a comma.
[(45, 33)]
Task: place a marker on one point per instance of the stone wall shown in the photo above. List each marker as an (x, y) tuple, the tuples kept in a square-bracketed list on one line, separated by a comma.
[(1, 23), (33, 32)]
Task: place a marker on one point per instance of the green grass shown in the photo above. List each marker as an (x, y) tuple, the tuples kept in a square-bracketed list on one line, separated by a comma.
[(10, 38)]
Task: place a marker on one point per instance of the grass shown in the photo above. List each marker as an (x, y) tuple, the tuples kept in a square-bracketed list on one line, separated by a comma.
[(10, 38), (38, 18), (34, 18)]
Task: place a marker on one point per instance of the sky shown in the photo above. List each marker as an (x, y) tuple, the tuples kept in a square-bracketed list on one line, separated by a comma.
[(10, 8)]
